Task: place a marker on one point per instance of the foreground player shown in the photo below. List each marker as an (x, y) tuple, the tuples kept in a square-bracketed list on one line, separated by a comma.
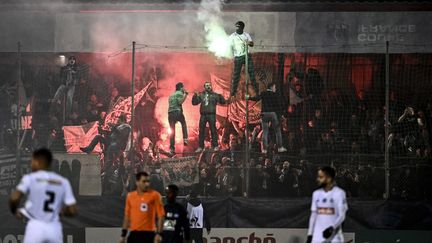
[(142, 208), (48, 195), (328, 209), (176, 224)]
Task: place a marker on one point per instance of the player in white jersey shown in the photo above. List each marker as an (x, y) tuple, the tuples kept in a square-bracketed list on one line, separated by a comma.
[(48, 195), (329, 207)]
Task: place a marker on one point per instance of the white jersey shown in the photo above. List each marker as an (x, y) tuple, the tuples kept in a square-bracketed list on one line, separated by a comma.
[(329, 209), (238, 43), (47, 193), (195, 216)]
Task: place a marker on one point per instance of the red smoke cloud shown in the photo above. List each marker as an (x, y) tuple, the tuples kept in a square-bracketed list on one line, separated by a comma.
[(192, 69)]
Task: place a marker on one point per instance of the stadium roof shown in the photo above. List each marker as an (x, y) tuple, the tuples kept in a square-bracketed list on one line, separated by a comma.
[(229, 5)]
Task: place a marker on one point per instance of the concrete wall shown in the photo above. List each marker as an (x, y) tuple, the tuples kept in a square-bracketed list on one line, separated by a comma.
[(107, 31)]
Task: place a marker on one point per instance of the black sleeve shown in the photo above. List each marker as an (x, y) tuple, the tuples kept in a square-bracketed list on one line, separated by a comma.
[(221, 99), (281, 104), (206, 220), (256, 98), (185, 223), (196, 99)]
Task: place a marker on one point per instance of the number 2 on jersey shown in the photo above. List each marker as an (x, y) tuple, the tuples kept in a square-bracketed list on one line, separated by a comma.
[(49, 201)]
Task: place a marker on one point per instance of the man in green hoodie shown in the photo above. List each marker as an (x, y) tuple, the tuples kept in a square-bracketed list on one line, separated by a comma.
[(175, 114)]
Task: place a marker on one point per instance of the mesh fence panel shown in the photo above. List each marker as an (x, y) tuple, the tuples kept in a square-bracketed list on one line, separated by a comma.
[(330, 109)]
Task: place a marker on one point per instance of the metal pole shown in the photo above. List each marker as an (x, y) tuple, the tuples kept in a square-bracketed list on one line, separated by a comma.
[(303, 83), (131, 150), (387, 105), (18, 117), (246, 160)]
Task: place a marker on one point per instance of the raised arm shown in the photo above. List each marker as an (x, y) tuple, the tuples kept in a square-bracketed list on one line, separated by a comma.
[(250, 42), (196, 99), (407, 111), (182, 98), (221, 99)]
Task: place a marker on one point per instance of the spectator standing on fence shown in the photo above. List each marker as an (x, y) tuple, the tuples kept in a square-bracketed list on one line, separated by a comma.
[(69, 78), (240, 40), (175, 114), (208, 100), (197, 218), (270, 114)]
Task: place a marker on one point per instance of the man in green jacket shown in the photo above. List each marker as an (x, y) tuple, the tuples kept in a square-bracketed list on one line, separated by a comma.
[(175, 114), (208, 100)]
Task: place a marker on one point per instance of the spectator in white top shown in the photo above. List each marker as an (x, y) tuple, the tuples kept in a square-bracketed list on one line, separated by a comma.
[(240, 40)]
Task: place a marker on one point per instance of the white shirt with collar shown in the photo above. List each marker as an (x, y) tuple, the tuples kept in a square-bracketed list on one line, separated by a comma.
[(238, 42), (330, 208)]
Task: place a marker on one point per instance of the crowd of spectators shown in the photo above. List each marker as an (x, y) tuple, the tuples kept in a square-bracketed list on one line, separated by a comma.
[(345, 127)]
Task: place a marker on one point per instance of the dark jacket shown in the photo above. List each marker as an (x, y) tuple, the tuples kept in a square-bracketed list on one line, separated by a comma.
[(270, 102), (210, 106), (176, 225)]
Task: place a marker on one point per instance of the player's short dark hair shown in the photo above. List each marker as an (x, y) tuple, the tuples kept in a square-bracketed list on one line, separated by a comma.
[(179, 86), (43, 154), (329, 171), (173, 188), (141, 174), (241, 24), (193, 193)]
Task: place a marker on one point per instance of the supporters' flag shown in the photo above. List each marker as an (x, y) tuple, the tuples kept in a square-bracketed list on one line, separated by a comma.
[(124, 107), (80, 136), (237, 109), (222, 87)]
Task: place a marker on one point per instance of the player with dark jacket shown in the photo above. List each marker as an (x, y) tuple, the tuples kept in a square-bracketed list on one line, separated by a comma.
[(176, 224)]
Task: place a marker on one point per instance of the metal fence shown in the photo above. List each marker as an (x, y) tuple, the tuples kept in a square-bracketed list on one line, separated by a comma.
[(367, 114)]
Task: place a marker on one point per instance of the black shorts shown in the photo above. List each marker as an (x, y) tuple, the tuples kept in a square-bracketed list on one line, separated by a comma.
[(141, 237)]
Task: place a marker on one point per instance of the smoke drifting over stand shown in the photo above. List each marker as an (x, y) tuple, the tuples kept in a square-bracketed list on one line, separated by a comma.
[(217, 40)]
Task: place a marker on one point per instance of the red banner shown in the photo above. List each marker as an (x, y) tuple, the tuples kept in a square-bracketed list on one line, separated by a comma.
[(80, 136), (237, 109), (124, 107)]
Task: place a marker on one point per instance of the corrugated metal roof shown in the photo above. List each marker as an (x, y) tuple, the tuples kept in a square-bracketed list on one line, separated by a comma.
[(229, 5), (225, 1)]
